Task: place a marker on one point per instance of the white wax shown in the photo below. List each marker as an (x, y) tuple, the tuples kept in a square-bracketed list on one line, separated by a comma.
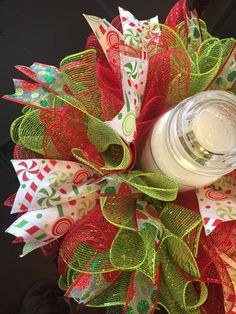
[(214, 130), (157, 157), (207, 119)]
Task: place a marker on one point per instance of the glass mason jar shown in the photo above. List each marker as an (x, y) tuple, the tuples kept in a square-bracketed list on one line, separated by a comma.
[(195, 142)]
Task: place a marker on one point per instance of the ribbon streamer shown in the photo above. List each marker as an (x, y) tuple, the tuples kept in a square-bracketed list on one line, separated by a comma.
[(217, 202), (124, 244), (52, 196)]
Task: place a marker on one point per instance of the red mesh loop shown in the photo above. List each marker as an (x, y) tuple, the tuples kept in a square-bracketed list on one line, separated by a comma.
[(176, 14), (65, 129), (214, 273), (111, 91), (93, 43), (21, 152)]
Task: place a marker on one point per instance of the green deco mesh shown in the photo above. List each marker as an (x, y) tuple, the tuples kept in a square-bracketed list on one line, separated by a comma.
[(79, 74), (181, 288), (135, 233)]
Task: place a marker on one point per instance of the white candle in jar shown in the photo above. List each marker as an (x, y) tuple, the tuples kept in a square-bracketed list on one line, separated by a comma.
[(215, 131), (194, 143)]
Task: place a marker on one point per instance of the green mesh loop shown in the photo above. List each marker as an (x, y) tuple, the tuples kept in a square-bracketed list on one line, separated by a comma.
[(57, 103), (112, 148), (27, 109), (179, 220), (28, 131), (181, 289), (171, 39), (155, 185), (14, 131), (79, 74), (68, 280), (127, 250), (116, 294), (150, 263), (206, 65), (120, 214), (168, 302), (227, 45), (115, 310), (191, 301), (76, 72), (62, 283), (118, 209), (180, 253), (181, 31), (99, 261), (183, 223), (209, 54)]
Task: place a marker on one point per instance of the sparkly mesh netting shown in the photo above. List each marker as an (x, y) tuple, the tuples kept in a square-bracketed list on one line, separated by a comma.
[(92, 86), (136, 248)]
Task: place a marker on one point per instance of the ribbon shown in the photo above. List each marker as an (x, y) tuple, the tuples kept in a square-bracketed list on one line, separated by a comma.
[(180, 59), (123, 246), (217, 202), (52, 196)]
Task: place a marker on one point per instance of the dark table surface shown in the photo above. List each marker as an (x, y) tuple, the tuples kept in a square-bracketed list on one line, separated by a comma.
[(46, 31)]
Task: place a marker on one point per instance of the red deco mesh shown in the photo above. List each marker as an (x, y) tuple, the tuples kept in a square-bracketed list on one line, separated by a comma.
[(79, 73), (214, 273), (189, 200), (167, 85), (94, 235), (116, 22), (168, 76), (108, 76), (215, 300), (154, 108), (167, 81), (176, 14), (65, 129), (213, 269), (224, 238), (10, 200), (51, 248), (21, 152), (110, 89), (93, 43)]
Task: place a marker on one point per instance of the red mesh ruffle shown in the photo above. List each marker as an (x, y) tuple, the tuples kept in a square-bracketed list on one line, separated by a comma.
[(93, 231), (176, 14), (21, 152)]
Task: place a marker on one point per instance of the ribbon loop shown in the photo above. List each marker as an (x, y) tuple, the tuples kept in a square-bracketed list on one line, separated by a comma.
[(155, 185)]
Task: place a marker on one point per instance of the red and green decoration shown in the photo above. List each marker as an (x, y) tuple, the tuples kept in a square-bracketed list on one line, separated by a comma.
[(127, 240)]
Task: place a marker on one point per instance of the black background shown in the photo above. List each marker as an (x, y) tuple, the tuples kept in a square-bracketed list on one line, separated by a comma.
[(46, 31)]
